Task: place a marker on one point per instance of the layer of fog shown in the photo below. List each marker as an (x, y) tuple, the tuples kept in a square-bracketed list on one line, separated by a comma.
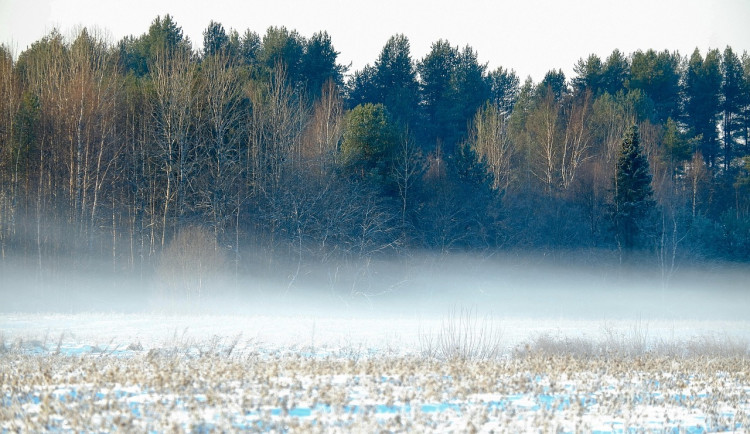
[(534, 285)]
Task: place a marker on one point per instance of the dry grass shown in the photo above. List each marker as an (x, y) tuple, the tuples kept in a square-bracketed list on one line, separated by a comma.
[(463, 336), (189, 386)]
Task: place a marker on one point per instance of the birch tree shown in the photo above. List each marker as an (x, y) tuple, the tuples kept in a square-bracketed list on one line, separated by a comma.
[(490, 138), (172, 75)]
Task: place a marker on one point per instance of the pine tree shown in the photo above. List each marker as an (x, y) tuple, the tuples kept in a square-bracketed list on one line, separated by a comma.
[(703, 101), (732, 87), (368, 145), (632, 191), (395, 79), (215, 39)]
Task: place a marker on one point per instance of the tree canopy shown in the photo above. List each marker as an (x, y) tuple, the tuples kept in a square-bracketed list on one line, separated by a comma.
[(271, 145)]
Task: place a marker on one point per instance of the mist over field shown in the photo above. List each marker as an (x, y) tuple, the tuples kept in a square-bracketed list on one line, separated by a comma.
[(521, 342), (533, 285)]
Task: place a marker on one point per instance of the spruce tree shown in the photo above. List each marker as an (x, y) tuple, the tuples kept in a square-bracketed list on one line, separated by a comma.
[(632, 191)]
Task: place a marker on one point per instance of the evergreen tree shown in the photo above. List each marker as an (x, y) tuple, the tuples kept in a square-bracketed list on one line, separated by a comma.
[(392, 81), (733, 89), (504, 89), (396, 80), (615, 72), (744, 118), (281, 46), (589, 75), (319, 64), (215, 39), (164, 36), (435, 73), (633, 201), (676, 148), (25, 133), (702, 104), (362, 88), (470, 90), (453, 85), (554, 80), (369, 145), (658, 75), (249, 47)]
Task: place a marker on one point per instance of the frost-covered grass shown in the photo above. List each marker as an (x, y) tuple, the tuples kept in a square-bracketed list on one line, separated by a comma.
[(627, 379)]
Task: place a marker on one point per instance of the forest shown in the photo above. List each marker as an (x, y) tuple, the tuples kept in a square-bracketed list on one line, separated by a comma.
[(262, 147)]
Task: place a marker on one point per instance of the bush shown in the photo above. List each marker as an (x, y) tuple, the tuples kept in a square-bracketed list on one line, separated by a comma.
[(463, 337)]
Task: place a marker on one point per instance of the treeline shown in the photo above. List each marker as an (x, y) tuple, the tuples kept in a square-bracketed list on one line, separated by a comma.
[(271, 146)]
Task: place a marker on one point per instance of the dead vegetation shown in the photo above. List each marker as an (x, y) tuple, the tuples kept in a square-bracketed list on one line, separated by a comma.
[(547, 384)]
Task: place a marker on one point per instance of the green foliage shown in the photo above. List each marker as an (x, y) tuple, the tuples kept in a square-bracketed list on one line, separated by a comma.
[(435, 72), (677, 148), (254, 132), (470, 89), (471, 172), (589, 74), (30, 62), (632, 201), (453, 86), (396, 80), (735, 96), (615, 73), (309, 64), (249, 47), (554, 80), (215, 39), (164, 33), (504, 88), (369, 145), (319, 63), (163, 36), (702, 90), (658, 76), (601, 77), (392, 81), (281, 46), (362, 88)]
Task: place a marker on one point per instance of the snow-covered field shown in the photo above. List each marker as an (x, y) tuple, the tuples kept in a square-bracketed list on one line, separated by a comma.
[(504, 345), (460, 372)]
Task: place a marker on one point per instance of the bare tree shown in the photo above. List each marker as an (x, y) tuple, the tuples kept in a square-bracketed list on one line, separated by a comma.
[(325, 128), (9, 101), (576, 143), (220, 190), (273, 131), (408, 166), (94, 88), (45, 76), (490, 138), (542, 124), (697, 176), (174, 94), (221, 87)]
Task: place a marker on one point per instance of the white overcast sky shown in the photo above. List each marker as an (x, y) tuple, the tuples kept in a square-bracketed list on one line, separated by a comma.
[(530, 36)]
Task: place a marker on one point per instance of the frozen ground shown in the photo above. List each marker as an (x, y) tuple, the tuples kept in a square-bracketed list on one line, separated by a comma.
[(396, 335), (452, 346), (149, 372)]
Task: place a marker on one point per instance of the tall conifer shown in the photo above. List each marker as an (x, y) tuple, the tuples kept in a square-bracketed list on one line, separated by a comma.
[(632, 191)]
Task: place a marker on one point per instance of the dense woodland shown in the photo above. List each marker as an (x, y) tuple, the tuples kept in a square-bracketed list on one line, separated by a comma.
[(261, 147)]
